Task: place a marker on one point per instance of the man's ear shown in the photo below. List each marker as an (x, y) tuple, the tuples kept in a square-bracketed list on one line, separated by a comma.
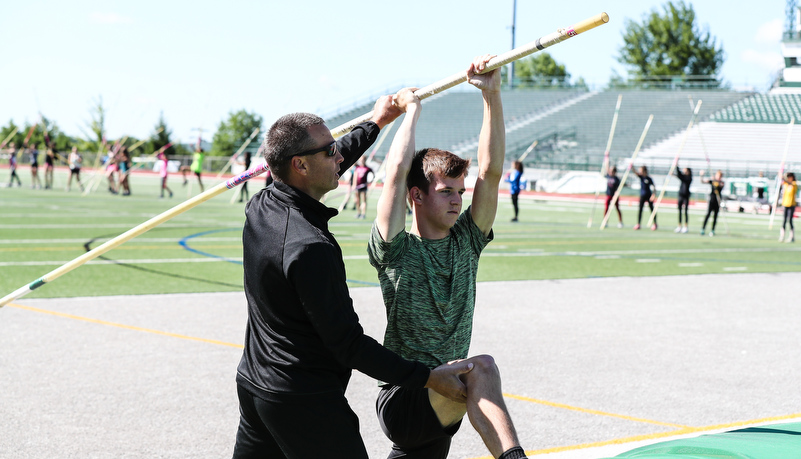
[(299, 165), (416, 195)]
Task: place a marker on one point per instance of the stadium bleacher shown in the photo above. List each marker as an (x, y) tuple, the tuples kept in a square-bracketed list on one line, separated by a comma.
[(742, 132)]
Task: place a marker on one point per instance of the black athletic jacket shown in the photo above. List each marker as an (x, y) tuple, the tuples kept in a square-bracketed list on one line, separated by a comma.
[(303, 335)]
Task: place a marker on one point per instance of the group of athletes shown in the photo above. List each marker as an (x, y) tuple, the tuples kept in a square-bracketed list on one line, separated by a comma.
[(116, 168), (787, 199), (74, 160)]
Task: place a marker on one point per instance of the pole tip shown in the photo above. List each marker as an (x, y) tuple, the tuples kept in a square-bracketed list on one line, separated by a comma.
[(605, 17)]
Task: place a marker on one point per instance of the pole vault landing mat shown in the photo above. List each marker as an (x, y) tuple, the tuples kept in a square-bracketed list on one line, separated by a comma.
[(765, 442)]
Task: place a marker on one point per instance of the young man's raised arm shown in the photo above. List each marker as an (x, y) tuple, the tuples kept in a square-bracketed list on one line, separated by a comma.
[(391, 218), (491, 144)]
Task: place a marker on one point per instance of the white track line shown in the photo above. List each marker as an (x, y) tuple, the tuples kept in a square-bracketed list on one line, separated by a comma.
[(139, 239), (133, 261)]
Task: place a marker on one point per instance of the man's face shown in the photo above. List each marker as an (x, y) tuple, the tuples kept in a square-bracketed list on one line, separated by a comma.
[(323, 170), (442, 204)]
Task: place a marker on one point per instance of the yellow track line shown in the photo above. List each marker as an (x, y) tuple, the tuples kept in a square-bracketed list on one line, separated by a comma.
[(596, 412), (682, 430), (126, 327)]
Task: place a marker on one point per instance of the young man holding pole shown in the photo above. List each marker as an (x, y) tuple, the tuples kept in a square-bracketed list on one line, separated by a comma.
[(428, 279), (303, 336)]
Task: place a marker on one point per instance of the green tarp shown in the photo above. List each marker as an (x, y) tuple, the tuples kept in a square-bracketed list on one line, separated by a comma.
[(765, 442)]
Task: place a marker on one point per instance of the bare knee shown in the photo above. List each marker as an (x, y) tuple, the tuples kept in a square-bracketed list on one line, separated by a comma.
[(484, 368)]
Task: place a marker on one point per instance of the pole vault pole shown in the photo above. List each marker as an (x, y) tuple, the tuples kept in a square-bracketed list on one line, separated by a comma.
[(372, 184), (5, 141), (95, 178), (132, 233), (528, 150), (780, 177), (498, 61), (239, 151), (717, 193), (29, 135), (626, 174), (605, 164), (539, 44), (91, 181), (675, 162)]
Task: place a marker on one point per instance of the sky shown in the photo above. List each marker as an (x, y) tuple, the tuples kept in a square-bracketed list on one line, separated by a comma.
[(198, 61)]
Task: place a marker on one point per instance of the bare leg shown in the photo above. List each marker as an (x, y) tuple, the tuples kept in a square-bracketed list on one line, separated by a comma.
[(485, 406), (363, 208)]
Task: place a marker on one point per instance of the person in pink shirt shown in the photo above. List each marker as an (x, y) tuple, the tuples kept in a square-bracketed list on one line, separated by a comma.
[(361, 181), (163, 172)]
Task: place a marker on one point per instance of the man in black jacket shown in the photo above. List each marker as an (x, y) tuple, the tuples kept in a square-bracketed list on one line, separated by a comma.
[(303, 336)]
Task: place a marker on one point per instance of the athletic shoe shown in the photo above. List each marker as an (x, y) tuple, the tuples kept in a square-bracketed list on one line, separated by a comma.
[(702, 232), (653, 227), (514, 219), (677, 230), (636, 227), (684, 229), (620, 225)]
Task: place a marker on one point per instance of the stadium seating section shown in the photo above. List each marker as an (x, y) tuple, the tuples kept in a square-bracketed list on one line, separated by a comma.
[(738, 131)]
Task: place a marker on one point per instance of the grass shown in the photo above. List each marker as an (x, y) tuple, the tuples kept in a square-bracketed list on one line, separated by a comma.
[(200, 250)]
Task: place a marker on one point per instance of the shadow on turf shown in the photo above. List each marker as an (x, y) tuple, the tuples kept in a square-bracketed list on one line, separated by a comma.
[(88, 246)]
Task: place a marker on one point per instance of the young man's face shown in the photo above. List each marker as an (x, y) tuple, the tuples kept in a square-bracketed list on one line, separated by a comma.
[(442, 204)]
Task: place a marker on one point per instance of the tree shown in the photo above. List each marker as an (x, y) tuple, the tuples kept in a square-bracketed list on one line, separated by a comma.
[(541, 70), (234, 131), (56, 138), (97, 126), (671, 44), (161, 137), (7, 130)]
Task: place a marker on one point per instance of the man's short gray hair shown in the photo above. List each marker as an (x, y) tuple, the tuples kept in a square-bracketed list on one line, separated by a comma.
[(287, 136)]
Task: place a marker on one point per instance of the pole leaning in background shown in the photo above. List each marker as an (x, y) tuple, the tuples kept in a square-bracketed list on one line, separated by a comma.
[(498, 61), (626, 174), (541, 43), (605, 164), (709, 169), (134, 232), (780, 177), (7, 139), (674, 163), (238, 152)]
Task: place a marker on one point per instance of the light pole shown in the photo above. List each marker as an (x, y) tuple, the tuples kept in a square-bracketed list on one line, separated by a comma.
[(512, 65)]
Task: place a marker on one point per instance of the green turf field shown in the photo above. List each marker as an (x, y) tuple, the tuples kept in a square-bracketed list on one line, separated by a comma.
[(201, 250)]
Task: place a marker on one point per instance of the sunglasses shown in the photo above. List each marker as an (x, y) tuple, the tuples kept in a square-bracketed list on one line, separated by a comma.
[(330, 150)]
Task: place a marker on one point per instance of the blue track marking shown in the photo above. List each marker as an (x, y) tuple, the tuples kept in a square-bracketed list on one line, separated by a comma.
[(184, 242)]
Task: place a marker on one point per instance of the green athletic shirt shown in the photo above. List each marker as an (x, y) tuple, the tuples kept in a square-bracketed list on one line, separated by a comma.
[(197, 162), (429, 289)]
